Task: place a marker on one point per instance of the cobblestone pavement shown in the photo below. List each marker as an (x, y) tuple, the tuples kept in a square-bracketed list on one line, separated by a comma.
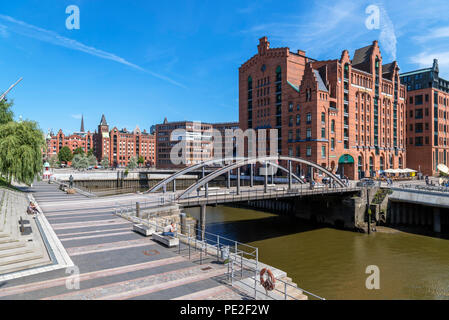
[(113, 261)]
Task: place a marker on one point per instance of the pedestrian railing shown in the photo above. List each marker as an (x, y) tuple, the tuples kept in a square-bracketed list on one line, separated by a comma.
[(242, 260), (426, 188), (256, 193)]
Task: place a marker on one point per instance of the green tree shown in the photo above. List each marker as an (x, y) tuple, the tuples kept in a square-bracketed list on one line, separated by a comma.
[(105, 162), (132, 164), (90, 152), (65, 154), (53, 160), (141, 160), (6, 114), (21, 145), (80, 162), (79, 150), (92, 160)]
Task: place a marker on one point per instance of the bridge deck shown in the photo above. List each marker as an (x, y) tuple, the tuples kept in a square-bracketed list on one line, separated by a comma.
[(222, 195)]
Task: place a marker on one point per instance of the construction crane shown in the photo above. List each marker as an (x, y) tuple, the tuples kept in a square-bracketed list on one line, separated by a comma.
[(9, 89)]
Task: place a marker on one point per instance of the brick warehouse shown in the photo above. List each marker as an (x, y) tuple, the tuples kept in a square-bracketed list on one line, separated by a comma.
[(346, 115), (427, 119), (119, 146)]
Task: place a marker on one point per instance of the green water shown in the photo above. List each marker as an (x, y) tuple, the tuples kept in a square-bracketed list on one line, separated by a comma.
[(331, 263)]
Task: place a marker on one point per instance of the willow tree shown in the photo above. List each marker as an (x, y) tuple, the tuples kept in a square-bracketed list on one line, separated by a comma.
[(21, 146)]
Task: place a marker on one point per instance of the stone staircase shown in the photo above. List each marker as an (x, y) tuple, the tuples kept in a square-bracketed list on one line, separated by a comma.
[(18, 251)]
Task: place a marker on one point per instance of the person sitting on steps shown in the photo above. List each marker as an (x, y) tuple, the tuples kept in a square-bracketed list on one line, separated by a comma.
[(169, 230), (32, 209)]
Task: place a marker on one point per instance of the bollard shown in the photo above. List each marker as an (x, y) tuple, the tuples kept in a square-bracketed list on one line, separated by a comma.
[(138, 209)]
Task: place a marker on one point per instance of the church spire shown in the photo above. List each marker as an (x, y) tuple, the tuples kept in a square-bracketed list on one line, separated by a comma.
[(82, 124)]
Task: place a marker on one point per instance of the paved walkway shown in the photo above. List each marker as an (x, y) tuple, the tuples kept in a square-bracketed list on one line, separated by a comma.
[(113, 261)]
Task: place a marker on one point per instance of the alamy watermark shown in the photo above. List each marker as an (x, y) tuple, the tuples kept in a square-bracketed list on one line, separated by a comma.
[(73, 20), (198, 144), (73, 280), (373, 280)]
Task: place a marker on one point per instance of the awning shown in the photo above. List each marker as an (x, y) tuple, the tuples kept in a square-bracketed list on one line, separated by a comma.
[(346, 158)]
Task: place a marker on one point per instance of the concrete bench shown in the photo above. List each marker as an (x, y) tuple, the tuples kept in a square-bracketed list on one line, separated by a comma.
[(167, 240), (143, 229)]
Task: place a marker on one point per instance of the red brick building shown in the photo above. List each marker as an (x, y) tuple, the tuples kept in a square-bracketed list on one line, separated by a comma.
[(119, 146), (346, 115), (427, 119), (81, 139)]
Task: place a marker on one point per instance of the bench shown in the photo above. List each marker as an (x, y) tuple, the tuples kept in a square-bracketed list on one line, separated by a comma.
[(166, 240), (143, 229)]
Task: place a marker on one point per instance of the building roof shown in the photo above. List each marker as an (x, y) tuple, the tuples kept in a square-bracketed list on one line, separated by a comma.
[(321, 85), (103, 121), (361, 58)]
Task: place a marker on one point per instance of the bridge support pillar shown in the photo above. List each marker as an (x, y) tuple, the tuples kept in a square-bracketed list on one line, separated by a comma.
[(238, 180), (174, 185), (251, 175), (228, 181), (392, 213), (436, 220), (289, 174), (183, 222), (203, 221)]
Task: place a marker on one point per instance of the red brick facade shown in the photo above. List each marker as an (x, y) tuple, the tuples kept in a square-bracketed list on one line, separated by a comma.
[(326, 111), (119, 146)]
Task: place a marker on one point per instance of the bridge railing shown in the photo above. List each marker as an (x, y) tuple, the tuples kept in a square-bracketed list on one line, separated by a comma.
[(426, 188), (256, 193)]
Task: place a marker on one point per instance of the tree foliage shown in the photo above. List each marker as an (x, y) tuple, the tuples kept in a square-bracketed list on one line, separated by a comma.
[(65, 154), (132, 164), (141, 160), (79, 150), (105, 162), (21, 146), (92, 160), (80, 162), (6, 114)]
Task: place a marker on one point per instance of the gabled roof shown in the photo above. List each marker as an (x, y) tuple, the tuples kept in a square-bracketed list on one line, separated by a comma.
[(103, 121), (361, 58), (321, 85)]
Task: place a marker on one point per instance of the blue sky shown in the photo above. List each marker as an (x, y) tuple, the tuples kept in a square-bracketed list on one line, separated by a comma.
[(139, 61)]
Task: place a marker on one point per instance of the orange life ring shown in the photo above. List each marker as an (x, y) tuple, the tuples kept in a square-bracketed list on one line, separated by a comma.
[(268, 284)]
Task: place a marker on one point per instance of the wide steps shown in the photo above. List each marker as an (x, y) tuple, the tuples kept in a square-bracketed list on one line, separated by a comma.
[(11, 245), (21, 258), (19, 266), (18, 251)]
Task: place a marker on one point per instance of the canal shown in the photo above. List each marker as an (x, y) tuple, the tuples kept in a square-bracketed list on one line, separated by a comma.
[(331, 263)]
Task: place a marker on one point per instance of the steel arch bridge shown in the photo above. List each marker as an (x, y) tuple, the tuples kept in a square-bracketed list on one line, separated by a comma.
[(237, 163), (221, 162)]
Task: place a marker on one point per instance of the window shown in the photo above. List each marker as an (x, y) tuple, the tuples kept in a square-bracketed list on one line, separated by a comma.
[(418, 100), (323, 132), (418, 128), (418, 114), (418, 141), (298, 134), (332, 143), (298, 119), (290, 107), (410, 100), (323, 118), (290, 121), (411, 113), (309, 151), (308, 133), (323, 151), (309, 118), (333, 126)]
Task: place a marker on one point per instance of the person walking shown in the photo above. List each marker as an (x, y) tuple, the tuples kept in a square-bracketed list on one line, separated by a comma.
[(71, 181)]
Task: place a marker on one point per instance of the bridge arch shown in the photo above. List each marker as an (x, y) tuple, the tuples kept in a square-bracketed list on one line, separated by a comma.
[(247, 161), (171, 178)]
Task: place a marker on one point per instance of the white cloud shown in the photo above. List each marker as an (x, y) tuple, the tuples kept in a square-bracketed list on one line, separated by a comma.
[(387, 36), (52, 37), (76, 116), (425, 59), (3, 32), (438, 33)]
